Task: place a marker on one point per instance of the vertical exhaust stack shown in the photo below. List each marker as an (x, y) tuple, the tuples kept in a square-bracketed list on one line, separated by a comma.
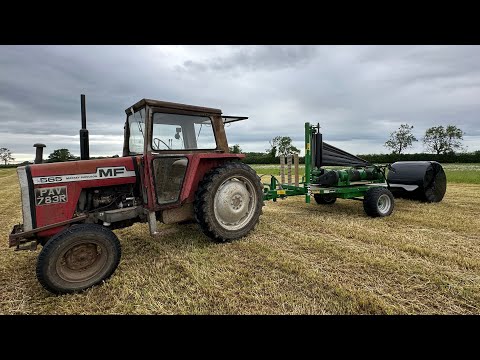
[(84, 145), (39, 153)]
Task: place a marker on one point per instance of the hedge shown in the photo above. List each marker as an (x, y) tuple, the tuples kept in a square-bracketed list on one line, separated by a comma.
[(263, 158), (443, 158)]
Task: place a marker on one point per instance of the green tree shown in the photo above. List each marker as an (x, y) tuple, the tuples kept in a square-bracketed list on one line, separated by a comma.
[(6, 155), (272, 152), (443, 140), (60, 155), (235, 149), (400, 139), (282, 145)]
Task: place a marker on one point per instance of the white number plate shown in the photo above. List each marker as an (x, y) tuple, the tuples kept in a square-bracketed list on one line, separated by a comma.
[(51, 195)]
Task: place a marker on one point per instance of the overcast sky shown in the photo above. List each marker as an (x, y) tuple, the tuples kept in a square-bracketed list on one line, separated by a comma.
[(358, 94)]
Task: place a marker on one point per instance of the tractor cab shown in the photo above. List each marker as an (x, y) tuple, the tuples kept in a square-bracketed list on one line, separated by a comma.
[(161, 127)]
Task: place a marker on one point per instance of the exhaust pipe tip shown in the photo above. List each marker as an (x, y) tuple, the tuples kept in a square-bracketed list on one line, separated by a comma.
[(84, 143)]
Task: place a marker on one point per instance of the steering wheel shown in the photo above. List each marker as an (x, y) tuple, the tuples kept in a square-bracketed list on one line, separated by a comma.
[(157, 144)]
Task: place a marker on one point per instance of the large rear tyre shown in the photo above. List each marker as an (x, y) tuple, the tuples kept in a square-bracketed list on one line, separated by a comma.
[(229, 201), (378, 202), (324, 199), (77, 258)]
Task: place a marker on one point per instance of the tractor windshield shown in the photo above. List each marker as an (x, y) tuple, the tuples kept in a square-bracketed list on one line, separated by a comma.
[(136, 125), (182, 132)]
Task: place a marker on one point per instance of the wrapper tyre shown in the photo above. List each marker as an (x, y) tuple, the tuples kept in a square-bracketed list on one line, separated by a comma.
[(378, 202), (324, 199)]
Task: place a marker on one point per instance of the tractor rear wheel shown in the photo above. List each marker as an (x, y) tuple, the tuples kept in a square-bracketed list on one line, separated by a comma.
[(378, 202), (324, 199), (77, 258), (229, 201)]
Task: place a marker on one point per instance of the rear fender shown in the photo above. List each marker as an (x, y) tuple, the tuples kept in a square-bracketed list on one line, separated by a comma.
[(199, 166)]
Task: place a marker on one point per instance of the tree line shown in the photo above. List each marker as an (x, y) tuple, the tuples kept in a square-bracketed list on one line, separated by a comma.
[(437, 139), (58, 155), (442, 141)]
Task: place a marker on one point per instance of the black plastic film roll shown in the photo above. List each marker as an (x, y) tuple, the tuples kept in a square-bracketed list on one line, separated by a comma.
[(429, 176)]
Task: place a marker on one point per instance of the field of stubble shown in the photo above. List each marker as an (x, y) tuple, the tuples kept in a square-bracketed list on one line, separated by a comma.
[(301, 259)]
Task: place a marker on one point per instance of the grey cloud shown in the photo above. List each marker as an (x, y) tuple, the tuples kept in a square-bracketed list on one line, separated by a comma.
[(255, 58), (359, 94)]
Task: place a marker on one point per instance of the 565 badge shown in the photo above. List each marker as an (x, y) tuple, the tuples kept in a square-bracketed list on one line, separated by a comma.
[(51, 195)]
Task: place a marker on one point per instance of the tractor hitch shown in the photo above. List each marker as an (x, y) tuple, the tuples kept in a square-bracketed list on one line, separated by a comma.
[(20, 242)]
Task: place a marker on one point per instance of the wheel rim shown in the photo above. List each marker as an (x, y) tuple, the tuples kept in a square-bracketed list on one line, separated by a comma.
[(384, 203), (235, 202), (82, 261)]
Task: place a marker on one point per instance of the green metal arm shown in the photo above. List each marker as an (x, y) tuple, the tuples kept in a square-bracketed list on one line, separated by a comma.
[(352, 183)]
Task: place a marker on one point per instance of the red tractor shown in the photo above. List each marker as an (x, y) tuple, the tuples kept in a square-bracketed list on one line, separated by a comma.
[(175, 167)]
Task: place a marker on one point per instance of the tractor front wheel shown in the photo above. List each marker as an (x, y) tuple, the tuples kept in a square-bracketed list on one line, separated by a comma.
[(77, 258), (378, 202), (229, 201), (324, 199)]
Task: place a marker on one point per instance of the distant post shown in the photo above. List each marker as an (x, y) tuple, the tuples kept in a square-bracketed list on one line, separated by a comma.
[(282, 169)]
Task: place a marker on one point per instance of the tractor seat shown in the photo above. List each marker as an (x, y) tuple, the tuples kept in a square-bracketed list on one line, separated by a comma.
[(180, 162)]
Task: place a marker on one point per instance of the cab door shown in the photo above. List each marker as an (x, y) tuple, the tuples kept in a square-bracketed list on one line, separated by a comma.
[(175, 135), (168, 176)]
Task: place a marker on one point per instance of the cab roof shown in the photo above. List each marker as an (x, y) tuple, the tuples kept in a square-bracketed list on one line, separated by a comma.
[(171, 105)]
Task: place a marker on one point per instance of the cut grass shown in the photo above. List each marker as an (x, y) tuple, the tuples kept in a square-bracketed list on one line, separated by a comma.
[(463, 176), (301, 259)]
